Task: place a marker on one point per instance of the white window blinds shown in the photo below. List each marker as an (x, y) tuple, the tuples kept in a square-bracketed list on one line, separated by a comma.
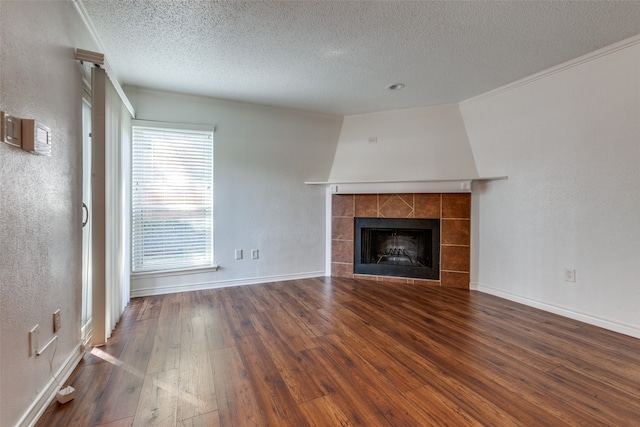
[(172, 199)]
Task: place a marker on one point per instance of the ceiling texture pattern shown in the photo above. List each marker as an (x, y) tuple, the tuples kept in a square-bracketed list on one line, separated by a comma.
[(338, 57)]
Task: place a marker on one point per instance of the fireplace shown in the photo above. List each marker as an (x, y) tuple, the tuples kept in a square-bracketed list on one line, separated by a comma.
[(453, 210), (398, 247)]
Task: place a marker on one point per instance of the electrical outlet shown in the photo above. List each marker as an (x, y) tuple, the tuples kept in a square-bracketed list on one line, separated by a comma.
[(569, 274), (56, 321), (33, 340), (255, 254)]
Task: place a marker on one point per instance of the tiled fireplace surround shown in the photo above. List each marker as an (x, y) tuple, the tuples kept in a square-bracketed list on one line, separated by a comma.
[(453, 210)]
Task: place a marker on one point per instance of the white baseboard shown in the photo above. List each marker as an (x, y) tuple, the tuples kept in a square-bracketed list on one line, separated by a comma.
[(611, 325), (143, 292), (46, 396)]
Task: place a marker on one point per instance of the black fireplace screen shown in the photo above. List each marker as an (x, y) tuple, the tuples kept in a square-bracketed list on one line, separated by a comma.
[(398, 247)]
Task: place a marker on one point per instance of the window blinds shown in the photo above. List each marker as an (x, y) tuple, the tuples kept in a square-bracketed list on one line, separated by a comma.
[(172, 199)]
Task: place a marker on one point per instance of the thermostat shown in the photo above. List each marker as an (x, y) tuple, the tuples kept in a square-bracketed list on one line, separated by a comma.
[(36, 137)]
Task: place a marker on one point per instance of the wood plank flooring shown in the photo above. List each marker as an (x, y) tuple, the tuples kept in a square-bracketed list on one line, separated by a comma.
[(341, 352)]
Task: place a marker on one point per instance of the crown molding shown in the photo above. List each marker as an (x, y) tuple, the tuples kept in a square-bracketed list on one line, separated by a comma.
[(88, 23), (592, 56)]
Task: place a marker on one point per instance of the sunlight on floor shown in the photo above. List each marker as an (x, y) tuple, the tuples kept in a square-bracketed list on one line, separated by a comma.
[(180, 394)]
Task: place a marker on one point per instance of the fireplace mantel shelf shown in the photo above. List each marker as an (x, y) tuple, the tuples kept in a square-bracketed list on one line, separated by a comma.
[(491, 178), (457, 185)]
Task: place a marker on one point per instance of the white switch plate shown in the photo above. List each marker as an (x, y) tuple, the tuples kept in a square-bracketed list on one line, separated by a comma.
[(33, 340), (4, 117), (255, 254), (57, 324), (238, 253), (10, 129)]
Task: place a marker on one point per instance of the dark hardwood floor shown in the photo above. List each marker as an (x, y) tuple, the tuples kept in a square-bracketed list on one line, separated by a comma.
[(340, 352)]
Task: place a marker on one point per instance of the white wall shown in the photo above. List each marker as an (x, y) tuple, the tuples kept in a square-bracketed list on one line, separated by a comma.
[(569, 142), (262, 158), (427, 143), (40, 197)]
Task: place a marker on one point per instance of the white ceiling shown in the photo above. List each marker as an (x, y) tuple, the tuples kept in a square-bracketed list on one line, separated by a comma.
[(339, 56)]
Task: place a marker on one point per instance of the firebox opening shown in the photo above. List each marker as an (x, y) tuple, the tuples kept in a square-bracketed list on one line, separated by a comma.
[(398, 247)]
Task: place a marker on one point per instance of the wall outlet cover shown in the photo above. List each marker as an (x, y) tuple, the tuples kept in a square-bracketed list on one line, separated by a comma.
[(570, 274)]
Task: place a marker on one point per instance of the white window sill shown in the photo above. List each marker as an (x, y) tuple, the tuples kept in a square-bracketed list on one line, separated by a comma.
[(178, 272)]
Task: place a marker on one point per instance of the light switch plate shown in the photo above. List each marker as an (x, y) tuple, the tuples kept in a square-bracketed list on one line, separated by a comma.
[(3, 126), (33, 341), (10, 129), (57, 324)]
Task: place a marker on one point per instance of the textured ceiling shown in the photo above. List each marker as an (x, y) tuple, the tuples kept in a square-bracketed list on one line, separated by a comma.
[(339, 56)]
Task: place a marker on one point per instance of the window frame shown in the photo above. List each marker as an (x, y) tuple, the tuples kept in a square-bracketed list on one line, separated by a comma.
[(211, 266)]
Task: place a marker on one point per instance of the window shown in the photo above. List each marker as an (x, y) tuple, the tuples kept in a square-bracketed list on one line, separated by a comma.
[(172, 199)]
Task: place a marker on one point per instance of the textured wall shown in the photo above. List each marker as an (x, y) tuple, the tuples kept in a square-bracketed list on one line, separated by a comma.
[(262, 158), (569, 144), (412, 144), (40, 207)]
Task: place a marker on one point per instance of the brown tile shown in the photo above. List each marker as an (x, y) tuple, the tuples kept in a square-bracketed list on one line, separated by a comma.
[(456, 205), (342, 228), (341, 270), (456, 231), (426, 282), (407, 198), (342, 251), (342, 205), (454, 258), (390, 279), (384, 198), (427, 205), (395, 207), (452, 279), (366, 206), (365, 277)]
